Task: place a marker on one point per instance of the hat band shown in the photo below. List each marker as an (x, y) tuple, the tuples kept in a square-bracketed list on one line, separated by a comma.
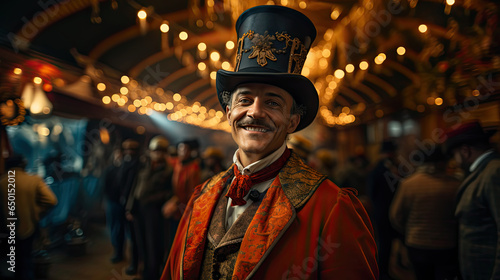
[(263, 50)]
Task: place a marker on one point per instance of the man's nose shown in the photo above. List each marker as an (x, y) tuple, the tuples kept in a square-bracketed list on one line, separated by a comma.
[(256, 110)]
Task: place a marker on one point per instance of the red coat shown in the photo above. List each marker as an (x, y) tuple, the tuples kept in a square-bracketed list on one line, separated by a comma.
[(305, 228)]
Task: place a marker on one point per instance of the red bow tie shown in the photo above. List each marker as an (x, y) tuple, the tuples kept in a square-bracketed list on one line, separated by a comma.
[(242, 184)]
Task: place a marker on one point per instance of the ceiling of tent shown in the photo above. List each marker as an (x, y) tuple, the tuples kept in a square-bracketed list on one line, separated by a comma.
[(418, 54)]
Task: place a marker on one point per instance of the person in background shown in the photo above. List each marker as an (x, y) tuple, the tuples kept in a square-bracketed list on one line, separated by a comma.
[(382, 181), (325, 162), (212, 162), (186, 176), (33, 198), (270, 216), (119, 180), (423, 210), (478, 201), (152, 189)]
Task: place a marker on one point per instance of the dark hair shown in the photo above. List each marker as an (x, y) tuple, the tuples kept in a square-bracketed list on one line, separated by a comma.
[(15, 160)]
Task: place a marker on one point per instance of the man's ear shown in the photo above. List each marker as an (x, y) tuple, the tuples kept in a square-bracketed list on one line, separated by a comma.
[(228, 115), (294, 122)]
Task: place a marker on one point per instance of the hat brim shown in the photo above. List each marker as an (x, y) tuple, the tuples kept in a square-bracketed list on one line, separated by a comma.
[(452, 143), (299, 87)]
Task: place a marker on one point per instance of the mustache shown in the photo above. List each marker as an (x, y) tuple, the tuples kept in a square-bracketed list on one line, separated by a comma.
[(256, 122)]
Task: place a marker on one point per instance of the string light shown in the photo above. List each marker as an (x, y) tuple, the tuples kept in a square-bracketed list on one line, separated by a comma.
[(142, 14), (101, 87), (349, 68), (422, 28), (164, 27), (125, 79), (183, 35), (363, 65), (230, 45), (18, 71), (401, 50)]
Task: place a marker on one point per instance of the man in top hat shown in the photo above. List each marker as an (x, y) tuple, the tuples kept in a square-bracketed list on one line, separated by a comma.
[(270, 216), (478, 201)]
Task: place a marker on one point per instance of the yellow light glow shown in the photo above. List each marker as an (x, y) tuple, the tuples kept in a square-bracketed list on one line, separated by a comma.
[(438, 101), (140, 130), (101, 87), (202, 46), (284, 2), (306, 71), (137, 103), (125, 98), (430, 100), (450, 2), (475, 92), (18, 71), (332, 85), (230, 45), (170, 105), (422, 28), (339, 74), (131, 108), (346, 110), (199, 23), (148, 99), (326, 52), (115, 97), (226, 65), (401, 50), (363, 65), (219, 114), (335, 14), (210, 3), (177, 97), (43, 130), (164, 27), (378, 60), (183, 35), (349, 68), (121, 102), (213, 75), (202, 66), (124, 90), (215, 56), (323, 63), (125, 79), (142, 14), (302, 5), (106, 99), (37, 80)]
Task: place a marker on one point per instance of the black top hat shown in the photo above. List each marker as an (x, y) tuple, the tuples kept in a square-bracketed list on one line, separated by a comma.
[(273, 42), (466, 133)]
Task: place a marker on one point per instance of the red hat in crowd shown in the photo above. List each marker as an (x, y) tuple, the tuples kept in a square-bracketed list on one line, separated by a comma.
[(466, 133)]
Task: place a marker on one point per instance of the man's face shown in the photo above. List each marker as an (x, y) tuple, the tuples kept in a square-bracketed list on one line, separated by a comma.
[(460, 155), (260, 119), (183, 151)]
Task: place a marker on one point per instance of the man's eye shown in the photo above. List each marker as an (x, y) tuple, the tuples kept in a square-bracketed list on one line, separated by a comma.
[(244, 100), (273, 103)]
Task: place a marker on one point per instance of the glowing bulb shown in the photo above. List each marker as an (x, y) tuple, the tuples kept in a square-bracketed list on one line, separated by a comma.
[(202, 66), (363, 65), (142, 14), (124, 90), (226, 65), (230, 45), (302, 5), (202, 46), (214, 56), (18, 71), (164, 27), (422, 28), (106, 99), (401, 50), (349, 68), (335, 14), (339, 74), (213, 75), (450, 2), (438, 101), (125, 79), (177, 97), (101, 87), (183, 35), (37, 80)]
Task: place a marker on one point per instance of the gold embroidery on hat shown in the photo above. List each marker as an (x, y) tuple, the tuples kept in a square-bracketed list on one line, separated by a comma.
[(262, 50)]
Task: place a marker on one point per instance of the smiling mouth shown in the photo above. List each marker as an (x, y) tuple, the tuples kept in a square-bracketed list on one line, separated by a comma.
[(256, 129)]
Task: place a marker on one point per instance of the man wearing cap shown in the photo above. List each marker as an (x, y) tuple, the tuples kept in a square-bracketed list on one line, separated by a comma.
[(478, 201), (270, 216)]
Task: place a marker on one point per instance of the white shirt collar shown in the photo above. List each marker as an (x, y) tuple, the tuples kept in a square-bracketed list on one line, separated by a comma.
[(478, 160), (260, 164)]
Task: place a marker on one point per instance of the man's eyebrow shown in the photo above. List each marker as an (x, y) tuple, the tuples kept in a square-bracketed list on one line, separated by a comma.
[(272, 94)]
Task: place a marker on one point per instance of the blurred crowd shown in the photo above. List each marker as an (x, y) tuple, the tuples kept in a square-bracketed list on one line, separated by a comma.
[(435, 219)]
